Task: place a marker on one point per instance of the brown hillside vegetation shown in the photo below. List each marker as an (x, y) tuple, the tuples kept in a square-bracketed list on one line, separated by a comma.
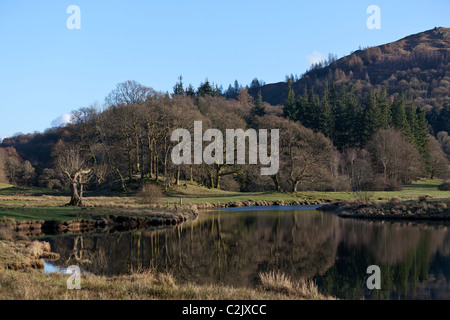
[(417, 64)]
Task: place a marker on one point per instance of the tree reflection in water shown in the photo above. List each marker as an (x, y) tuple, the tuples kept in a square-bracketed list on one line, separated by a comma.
[(233, 247)]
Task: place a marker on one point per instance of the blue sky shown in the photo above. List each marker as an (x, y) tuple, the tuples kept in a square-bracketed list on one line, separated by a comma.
[(47, 70)]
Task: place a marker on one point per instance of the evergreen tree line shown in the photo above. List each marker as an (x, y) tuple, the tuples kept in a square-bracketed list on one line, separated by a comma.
[(349, 122), (207, 88)]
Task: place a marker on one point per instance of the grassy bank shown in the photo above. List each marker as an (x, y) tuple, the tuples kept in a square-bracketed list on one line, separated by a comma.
[(34, 284), (44, 204), (191, 193), (21, 277)]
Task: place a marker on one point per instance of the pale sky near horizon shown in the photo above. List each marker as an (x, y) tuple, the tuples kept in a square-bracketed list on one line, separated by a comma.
[(47, 70)]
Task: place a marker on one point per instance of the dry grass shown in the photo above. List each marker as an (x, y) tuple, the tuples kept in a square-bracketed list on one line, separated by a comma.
[(280, 283), (9, 235), (35, 285), (24, 254), (395, 200)]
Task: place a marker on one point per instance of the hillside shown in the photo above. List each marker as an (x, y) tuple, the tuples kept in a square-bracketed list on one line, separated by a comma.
[(418, 64)]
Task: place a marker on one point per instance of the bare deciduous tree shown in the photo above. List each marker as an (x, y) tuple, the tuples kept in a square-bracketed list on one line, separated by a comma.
[(394, 156), (437, 163), (129, 92), (69, 161)]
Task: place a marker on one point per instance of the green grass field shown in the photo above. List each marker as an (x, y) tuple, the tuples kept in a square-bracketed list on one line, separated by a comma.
[(46, 204), (196, 194)]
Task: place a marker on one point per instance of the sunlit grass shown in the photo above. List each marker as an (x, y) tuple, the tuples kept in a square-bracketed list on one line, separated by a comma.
[(213, 196), (39, 204), (34, 284)]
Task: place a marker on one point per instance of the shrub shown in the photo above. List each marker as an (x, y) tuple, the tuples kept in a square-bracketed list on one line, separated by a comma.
[(381, 183), (395, 200), (364, 197), (444, 187), (150, 194), (280, 283), (424, 197), (5, 234), (441, 205)]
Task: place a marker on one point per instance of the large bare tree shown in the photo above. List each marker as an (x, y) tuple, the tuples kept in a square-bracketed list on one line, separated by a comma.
[(393, 156), (70, 163), (128, 93)]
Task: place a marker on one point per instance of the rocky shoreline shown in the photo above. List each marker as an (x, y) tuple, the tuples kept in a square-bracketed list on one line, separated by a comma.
[(167, 217), (390, 210), (257, 203), (102, 223)]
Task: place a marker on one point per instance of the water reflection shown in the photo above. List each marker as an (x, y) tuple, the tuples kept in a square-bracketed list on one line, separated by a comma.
[(232, 247)]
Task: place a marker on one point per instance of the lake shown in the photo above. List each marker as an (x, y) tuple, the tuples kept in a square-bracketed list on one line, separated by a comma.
[(232, 246)]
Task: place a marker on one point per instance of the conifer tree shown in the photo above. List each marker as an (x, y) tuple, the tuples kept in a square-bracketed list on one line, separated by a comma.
[(190, 91), (205, 89), (410, 114), (342, 123), (178, 89), (385, 109), (372, 117), (301, 106), (290, 110), (310, 116), (354, 115), (326, 122), (398, 113), (258, 108), (421, 131)]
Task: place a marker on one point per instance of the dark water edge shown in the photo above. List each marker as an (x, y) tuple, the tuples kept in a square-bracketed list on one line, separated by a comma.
[(232, 246)]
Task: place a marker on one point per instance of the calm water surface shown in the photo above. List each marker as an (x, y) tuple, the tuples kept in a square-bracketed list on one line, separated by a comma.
[(232, 246)]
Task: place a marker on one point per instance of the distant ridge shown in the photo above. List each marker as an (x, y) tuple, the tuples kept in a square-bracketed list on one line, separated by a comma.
[(418, 64)]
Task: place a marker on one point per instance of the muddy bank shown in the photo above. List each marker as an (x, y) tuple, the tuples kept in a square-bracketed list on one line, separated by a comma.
[(401, 210), (100, 223)]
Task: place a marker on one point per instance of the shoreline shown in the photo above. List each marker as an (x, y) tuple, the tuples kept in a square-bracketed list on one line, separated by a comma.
[(390, 210), (22, 277), (124, 219)]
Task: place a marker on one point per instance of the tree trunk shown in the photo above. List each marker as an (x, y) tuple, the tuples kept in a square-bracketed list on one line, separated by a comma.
[(218, 169), (75, 182), (74, 196), (177, 176), (151, 159), (294, 186), (277, 184), (211, 179), (122, 180), (130, 161), (138, 162), (155, 162)]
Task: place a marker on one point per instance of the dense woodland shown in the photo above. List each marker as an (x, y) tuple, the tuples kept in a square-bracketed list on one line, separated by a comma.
[(334, 134), (343, 145)]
